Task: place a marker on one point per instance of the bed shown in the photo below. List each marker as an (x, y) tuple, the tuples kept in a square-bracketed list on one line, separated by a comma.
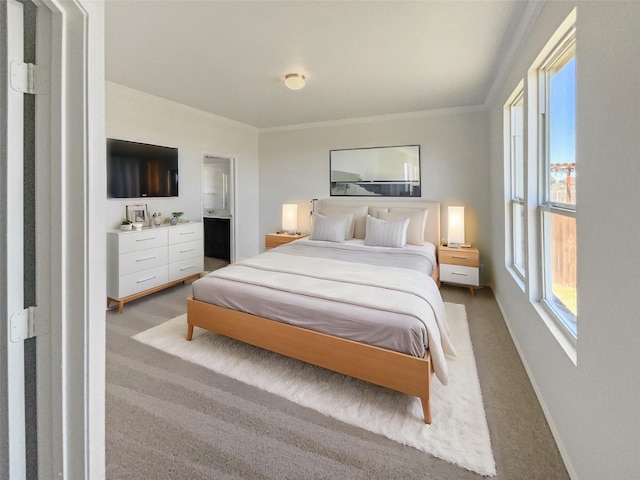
[(370, 312)]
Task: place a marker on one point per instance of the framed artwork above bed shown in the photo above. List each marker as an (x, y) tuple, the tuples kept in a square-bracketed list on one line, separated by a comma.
[(376, 171)]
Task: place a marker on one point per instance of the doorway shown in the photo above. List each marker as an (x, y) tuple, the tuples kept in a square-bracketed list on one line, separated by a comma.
[(218, 215)]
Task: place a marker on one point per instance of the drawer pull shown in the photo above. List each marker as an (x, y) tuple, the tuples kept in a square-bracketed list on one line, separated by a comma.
[(460, 273), (459, 256), (187, 268), (145, 239), (185, 251), (144, 259), (146, 279), (187, 233)]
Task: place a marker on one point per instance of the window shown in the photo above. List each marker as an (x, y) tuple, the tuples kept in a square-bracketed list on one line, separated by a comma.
[(514, 151), (556, 136)]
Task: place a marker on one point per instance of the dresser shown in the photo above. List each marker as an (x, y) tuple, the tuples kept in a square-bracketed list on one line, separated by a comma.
[(459, 266), (146, 261)]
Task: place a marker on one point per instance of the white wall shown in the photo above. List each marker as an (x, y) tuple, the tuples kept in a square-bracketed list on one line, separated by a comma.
[(137, 116), (454, 150), (592, 406)]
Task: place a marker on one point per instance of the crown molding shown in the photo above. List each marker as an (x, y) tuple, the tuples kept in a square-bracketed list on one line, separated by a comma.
[(377, 118), (529, 17)]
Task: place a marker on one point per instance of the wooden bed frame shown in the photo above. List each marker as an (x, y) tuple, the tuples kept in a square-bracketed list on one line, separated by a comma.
[(404, 373), (394, 370)]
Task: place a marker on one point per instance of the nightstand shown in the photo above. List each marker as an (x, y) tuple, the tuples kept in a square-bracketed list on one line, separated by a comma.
[(460, 266), (273, 240)]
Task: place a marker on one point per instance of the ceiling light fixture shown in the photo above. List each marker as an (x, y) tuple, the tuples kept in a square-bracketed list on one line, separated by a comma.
[(294, 81)]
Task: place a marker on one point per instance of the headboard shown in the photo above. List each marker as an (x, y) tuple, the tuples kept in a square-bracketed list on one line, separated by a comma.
[(431, 229)]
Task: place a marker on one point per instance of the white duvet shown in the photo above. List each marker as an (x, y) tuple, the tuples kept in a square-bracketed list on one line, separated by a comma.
[(383, 305)]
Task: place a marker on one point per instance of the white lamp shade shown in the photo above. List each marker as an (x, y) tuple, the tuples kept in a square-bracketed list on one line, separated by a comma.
[(456, 225), (289, 217)]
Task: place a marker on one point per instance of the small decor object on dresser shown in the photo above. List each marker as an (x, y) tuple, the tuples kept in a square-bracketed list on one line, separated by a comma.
[(138, 214), (459, 266), (126, 225), (175, 217)]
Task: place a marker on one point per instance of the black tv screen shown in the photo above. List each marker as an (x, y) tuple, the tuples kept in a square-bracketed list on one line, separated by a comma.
[(137, 170)]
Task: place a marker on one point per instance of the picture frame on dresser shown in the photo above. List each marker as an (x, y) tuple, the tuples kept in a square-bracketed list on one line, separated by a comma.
[(138, 214)]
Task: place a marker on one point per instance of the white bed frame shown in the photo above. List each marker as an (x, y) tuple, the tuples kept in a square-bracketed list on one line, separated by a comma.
[(394, 370)]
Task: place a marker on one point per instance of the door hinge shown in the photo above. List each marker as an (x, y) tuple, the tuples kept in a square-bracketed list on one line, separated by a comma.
[(29, 78), (27, 323)]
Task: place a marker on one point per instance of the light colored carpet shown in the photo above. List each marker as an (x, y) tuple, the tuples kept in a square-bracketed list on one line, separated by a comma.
[(458, 434)]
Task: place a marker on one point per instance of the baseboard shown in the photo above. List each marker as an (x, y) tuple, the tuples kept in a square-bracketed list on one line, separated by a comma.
[(545, 410)]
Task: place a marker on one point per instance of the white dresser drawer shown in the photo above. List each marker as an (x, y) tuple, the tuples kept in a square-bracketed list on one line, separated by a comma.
[(185, 233), (459, 274), (132, 241), (142, 260), (146, 261), (142, 280), (186, 268), (183, 251)]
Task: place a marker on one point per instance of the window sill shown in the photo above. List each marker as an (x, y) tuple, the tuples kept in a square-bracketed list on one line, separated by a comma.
[(561, 336)]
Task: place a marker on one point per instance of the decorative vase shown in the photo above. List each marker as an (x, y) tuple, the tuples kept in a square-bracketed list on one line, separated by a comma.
[(174, 221)]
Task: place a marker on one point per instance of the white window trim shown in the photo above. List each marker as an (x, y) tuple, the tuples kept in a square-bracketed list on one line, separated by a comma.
[(535, 168), (511, 199)]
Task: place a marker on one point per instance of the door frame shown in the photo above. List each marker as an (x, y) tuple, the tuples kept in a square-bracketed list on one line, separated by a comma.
[(71, 357), (70, 179), (12, 360), (232, 196)]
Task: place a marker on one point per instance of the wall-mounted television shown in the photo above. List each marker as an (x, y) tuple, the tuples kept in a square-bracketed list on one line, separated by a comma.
[(136, 170)]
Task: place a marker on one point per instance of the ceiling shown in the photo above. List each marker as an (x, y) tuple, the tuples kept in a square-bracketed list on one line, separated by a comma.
[(360, 59)]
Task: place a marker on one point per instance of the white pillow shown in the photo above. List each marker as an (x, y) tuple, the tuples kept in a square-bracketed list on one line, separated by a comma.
[(330, 229), (417, 217), (383, 233), (357, 227)]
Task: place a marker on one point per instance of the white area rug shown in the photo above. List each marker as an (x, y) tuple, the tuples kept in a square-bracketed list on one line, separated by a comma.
[(458, 434)]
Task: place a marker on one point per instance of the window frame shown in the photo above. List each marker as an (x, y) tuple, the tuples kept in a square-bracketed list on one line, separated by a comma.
[(561, 53), (515, 199)]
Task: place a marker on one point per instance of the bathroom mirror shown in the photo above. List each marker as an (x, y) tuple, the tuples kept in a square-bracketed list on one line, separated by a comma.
[(376, 171)]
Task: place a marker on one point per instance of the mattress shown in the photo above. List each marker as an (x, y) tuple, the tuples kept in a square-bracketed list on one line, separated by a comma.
[(374, 295)]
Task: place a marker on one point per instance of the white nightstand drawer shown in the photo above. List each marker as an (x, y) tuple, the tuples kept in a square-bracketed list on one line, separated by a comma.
[(185, 233), (150, 238), (185, 268), (142, 280), (459, 274), (142, 260), (182, 251)]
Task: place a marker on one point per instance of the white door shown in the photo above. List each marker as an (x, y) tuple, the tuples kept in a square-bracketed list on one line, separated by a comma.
[(12, 403)]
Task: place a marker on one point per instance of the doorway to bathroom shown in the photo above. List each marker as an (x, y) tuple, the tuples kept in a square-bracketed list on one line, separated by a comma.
[(218, 195)]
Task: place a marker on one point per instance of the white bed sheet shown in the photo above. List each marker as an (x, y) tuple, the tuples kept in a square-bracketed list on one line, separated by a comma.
[(421, 258), (391, 330)]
